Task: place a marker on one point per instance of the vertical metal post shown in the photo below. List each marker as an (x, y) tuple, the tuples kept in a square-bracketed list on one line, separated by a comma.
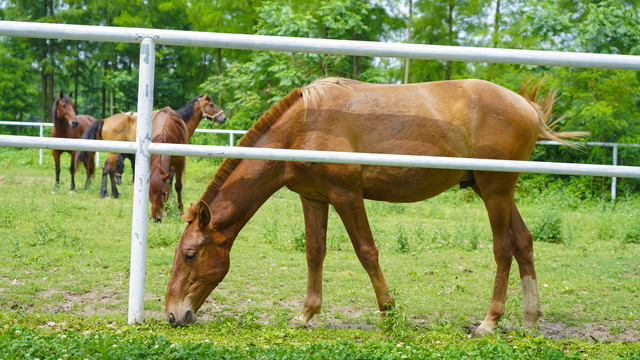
[(141, 185), (41, 135), (614, 179), (230, 138)]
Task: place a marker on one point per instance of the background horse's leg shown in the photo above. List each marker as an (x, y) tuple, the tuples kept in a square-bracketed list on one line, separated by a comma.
[(510, 237), (179, 171), (72, 170), (103, 185), (89, 165), (316, 214), (111, 170), (56, 160), (351, 210)]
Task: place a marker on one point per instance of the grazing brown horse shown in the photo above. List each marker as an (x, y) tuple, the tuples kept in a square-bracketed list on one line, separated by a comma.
[(66, 124), (191, 113), (168, 127), (460, 118)]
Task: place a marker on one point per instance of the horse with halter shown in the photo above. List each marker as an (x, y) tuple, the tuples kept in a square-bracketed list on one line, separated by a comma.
[(201, 107), (66, 124), (459, 118)]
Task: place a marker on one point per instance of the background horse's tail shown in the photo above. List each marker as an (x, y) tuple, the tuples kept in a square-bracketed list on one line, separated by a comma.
[(93, 132), (543, 104)]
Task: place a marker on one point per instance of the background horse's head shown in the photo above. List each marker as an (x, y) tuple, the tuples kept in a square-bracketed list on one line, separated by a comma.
[(210, 110), (63, 110), (201, 261), (159, 185)]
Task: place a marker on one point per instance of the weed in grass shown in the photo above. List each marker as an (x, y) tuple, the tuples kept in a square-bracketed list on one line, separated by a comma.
[(548, 228), (402, 241), (298, 240), (632, 233)]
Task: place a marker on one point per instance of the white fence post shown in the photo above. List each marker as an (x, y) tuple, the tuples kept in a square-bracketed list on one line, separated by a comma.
[(41, 135), (614, 179), (141, 184)]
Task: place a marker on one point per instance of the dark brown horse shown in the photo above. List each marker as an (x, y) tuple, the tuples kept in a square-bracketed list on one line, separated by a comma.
[(66, 124), (168, 127), (199, 108), (461, 118)]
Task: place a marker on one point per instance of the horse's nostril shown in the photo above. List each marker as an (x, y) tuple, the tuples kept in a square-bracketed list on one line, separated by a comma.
[(172, 319), (188, 318)]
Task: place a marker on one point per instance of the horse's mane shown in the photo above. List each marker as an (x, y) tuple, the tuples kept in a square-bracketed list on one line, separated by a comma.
[(173, 129), (316, 93), (249, 139), (186, 111)]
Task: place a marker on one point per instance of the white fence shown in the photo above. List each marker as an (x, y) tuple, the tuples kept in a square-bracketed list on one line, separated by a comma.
[(232, 133), (143, 147)]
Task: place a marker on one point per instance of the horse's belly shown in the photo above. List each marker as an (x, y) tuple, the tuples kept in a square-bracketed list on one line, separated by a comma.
[(400, 184)]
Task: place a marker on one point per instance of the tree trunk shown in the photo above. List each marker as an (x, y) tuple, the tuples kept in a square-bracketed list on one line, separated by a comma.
[(447, 75), (496, 25), (356, 60), (406, 62)]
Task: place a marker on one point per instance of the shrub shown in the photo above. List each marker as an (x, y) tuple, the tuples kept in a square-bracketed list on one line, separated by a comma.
[(548, 228)]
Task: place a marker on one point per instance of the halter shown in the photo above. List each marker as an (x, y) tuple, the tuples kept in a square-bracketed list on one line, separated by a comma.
[(207, 116)]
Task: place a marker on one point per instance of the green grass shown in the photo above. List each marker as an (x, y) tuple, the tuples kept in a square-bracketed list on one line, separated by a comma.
[(66, 262)]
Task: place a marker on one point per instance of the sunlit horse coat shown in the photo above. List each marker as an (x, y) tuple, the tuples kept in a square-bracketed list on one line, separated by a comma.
[(461, 118)]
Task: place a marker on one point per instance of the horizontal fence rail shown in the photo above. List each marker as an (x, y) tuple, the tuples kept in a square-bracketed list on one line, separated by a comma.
[(325, 46), (436, 162), (149, 38)]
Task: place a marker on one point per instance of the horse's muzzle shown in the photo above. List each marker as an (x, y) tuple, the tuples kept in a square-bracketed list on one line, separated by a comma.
[(220, 119), (74, 123), (188, 318)]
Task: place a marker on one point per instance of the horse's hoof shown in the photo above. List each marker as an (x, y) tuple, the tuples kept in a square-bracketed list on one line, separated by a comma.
[(480, 331), (298, 322)]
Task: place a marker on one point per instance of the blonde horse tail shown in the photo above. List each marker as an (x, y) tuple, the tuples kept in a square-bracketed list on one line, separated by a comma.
[(543, 105)]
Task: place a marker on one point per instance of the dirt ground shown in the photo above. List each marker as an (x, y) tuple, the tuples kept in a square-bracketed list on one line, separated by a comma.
[(94, 303)]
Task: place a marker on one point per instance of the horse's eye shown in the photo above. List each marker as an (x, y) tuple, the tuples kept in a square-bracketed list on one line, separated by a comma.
[(190, 256)]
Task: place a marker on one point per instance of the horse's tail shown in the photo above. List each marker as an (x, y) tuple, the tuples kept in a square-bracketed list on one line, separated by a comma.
[(543, 105), (93, 132)]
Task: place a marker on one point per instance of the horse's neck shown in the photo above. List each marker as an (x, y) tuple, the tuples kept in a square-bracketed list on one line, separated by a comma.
[(60, 122), (194, 120), (250, 184)]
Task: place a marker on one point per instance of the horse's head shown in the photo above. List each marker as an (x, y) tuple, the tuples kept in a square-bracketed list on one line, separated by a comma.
[(158, 193), (63, 109), (210, 110), (201, 261)]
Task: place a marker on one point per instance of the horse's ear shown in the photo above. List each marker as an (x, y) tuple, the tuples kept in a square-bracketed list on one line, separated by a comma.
[(71, 93), (61, 94), (204, 214), (165, 176)]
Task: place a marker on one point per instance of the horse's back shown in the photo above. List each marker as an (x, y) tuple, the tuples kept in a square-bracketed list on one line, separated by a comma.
[(459, 118), (120, 127), (168, 126)]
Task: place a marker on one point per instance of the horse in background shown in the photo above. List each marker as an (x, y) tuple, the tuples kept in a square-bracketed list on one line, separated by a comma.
[(66, 124), (200, 107), (118, 127), (167, 127)]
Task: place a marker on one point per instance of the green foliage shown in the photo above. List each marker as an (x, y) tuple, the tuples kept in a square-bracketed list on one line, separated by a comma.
[(402, 241), (548, 228)]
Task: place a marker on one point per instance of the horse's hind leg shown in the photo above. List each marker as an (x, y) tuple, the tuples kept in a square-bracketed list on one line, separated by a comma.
[(103, 185), (316, 214), (89, 165), (352, 212), (510, 238), (111, 166)]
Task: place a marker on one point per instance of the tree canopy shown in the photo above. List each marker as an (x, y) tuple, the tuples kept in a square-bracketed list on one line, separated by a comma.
[(103, 76)]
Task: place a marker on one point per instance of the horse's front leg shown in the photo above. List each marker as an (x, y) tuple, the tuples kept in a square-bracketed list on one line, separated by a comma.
[(316, 214), (178, 174), (350, 208), (72, 171), (56, 160)]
